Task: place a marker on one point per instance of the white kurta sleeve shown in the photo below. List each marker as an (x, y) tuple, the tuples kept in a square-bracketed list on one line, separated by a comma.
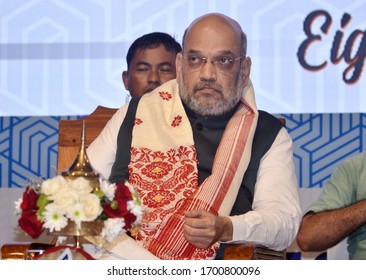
[(102, 151), (276, 213)]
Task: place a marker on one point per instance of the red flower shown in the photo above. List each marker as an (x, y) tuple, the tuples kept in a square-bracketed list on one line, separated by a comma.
[(122, 192), (30, 223), (29, 201), (129, 219), (118, 207)]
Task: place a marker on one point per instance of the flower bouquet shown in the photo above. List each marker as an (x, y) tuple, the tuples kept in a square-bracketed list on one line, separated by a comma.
[(55, 203)]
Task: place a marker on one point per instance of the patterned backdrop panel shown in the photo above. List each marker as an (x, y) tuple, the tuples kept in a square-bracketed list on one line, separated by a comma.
[(28, 149), (69, 55), (28, 146), (323, 141)]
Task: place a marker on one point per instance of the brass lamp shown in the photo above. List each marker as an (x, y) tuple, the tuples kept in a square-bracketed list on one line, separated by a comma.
[(81, 167)]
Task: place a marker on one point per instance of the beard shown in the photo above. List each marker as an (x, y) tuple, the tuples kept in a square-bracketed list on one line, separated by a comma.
[(207, 105)]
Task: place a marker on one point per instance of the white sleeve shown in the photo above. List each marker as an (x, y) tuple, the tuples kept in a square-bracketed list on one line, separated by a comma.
[(276, 213), (102, 151)]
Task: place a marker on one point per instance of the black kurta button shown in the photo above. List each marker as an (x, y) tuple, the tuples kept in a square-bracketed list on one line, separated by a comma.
[(199, 126)]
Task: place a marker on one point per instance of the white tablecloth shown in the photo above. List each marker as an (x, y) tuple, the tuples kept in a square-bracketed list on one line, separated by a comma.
[(124, 248)]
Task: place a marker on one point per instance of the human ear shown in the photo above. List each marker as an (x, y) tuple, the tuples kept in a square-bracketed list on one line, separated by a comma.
[(247, 63), (125, 79), (178, 64)]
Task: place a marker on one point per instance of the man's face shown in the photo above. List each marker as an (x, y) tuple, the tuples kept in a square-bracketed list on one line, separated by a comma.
[(212, 88), (149, 68)]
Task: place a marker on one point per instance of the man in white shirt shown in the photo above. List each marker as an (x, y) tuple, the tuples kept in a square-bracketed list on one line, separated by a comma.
[(209, 167)]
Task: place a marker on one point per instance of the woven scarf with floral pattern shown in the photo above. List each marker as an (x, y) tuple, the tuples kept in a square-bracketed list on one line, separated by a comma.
[(163, 168)]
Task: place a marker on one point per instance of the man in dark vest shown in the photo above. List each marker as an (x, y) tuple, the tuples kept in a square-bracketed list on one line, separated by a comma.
[(209, 168)]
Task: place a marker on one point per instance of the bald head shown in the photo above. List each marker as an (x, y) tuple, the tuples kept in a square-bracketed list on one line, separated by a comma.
[(213, 69), (216, 25)]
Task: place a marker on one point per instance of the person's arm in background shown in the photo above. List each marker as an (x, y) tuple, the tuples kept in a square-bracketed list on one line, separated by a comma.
[(321, 231), (102, 151), (337, 213)]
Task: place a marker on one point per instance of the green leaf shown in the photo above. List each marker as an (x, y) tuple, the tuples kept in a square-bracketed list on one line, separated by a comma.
[(42, 201)]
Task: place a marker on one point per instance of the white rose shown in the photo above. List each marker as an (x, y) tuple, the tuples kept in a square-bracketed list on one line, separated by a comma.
[(81, 185), (91, 206), (54, 185), (65, 199)]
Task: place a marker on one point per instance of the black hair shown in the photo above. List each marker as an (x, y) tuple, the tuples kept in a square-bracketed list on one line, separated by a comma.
[(151, 41)]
